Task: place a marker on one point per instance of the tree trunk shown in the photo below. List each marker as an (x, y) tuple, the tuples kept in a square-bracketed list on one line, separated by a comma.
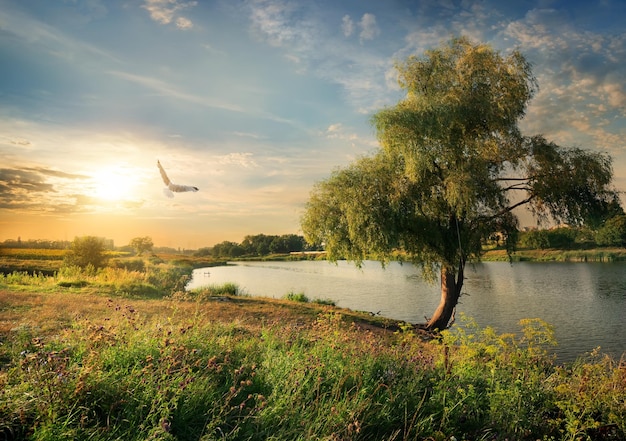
[(450, 293)]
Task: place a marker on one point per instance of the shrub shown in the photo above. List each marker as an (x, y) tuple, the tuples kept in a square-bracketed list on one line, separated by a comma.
[(129, 264), (327, 302), (206, 292), (87, 251), (296, 297)]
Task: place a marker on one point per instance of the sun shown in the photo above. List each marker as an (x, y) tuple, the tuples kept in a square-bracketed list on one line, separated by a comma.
[(114, 184)]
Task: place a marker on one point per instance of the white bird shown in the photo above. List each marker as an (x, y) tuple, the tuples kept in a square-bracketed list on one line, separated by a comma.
[(170, 186)]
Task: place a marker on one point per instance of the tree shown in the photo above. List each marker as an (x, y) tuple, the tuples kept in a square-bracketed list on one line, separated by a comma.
[(258, 244), (87, 250), (227, 249), (141, 244), (287, 243), (452, 168), (613, 232)]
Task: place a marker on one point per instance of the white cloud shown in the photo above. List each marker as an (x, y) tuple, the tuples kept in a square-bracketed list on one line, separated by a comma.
[(333, 129), (243, 159), (581, 76), (169, 90), (272, 19), (56, 42), (308, 41), (369, 28), (183, 23), (339, 132), (166, 11), (347, 25), (614, 93)]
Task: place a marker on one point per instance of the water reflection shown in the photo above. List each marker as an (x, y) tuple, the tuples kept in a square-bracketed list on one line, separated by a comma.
[(585, 302)]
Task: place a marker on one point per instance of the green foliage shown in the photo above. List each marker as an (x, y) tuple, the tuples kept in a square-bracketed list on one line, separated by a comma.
[(36, 244), (206, 292), (156, 280), (296, 297), (327, 302), (571, 185), (87, 251), (256, 245), (587, 395), (185, 378), (141, 244), (613, 232), (129, 264), (23, 278), (562, 238), (225, 249)]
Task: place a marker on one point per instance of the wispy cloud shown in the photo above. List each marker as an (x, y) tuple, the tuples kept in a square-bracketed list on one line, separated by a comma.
[(275, 21), (343, 133), (169, 90), (369, 28), (309, 40), (172, 91), (167, 11), (347, 25), (243, 159), (30, 31)]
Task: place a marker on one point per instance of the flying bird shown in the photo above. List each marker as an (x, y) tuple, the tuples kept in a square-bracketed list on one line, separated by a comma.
[(172, 188)]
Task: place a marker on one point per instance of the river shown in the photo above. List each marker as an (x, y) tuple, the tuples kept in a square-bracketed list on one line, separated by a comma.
[(585, 302)]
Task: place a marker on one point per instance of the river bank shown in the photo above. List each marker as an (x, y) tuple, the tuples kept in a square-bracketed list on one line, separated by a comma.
[(557, 255)]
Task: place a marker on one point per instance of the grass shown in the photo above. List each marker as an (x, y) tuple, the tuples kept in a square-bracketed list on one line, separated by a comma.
[(556, 255), (50, 261), (81, 364), (303, 298), (296, 297)]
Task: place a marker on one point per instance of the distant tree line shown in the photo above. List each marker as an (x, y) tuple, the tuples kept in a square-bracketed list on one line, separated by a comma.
[(49, 244), (612, 233), (257, 245)]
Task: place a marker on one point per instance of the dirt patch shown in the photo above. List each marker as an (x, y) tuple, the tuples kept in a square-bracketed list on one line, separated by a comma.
[(49, 313)]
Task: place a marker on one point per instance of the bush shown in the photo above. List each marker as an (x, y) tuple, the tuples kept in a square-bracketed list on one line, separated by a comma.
[(327, 302), (87, 251), (296, 297), (206, 292), (613, 232), (129, 264)]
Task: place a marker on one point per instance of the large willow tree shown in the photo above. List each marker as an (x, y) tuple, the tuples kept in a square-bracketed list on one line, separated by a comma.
[(452, 168)]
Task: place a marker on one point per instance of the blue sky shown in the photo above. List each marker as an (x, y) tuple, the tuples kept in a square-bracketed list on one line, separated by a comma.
[(253, 102)]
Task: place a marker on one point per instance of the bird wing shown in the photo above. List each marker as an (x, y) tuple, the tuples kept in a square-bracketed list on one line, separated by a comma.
[(166, 180), (181, 188), (171, 187)]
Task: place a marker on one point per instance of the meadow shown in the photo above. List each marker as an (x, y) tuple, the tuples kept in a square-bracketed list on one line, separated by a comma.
[(125, 353)]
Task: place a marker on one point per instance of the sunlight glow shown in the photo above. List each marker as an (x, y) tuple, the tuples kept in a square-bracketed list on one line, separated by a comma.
[(114, 184)]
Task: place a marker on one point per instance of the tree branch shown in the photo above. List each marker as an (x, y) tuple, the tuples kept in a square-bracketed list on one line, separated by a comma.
[(507, 209), (516, 187)]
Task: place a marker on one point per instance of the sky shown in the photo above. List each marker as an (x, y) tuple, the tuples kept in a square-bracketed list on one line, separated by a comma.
[(253, 102)]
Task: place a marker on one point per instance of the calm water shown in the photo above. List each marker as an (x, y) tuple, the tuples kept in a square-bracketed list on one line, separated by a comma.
[(585, 302)]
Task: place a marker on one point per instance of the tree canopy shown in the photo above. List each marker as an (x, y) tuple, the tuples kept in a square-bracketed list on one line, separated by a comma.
[(452, 168), (141, 244), (87, 251)]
